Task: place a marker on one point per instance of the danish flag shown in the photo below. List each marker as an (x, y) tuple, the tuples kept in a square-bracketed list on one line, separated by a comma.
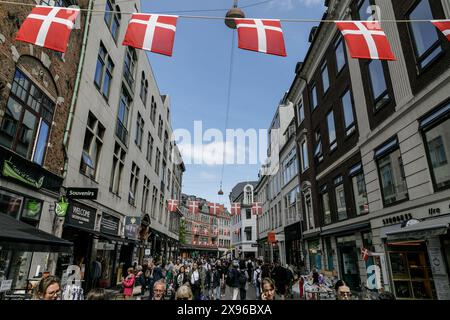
[(235, 208), (193, 207), (365, 254), (256, 208), (213, 208), (48, 27), (444, 26), (151, 32), (366, 40), (172, 205), (264, 36)]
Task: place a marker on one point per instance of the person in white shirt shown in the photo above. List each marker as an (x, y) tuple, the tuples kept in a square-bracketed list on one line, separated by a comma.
[(195, 282)]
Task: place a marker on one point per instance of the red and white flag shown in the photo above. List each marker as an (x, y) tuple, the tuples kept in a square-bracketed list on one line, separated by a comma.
[(235, 208), (365, 254), (151, 32), (444, 26), (256, 208), (48, 27), (213, 208), (193, 207), (366, 40), (264, 36), (172, 205)]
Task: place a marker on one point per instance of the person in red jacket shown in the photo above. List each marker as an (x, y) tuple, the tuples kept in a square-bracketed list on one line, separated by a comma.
[(128, 284)]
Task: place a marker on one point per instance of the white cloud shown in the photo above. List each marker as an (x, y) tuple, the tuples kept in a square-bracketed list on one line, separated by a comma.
[(290, 4), (208, 176), (209, 154)]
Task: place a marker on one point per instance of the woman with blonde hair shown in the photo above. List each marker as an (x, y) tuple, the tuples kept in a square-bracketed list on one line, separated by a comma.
[(184, 293), (48, 288), (268, 289)]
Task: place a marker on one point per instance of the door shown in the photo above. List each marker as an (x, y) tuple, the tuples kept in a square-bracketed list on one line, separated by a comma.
[(349, 266)]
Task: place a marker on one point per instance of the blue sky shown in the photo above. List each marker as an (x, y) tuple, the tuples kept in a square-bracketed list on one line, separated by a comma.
[(196, 76)]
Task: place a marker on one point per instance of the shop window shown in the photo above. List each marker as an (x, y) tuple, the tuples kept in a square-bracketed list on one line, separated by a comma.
[(329, 248), (27, 120), (391, 173), (436, 128), (359, 190)]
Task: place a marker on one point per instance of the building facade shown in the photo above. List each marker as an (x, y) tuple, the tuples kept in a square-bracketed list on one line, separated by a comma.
[(373, 149), (36, 91), (243, 226)]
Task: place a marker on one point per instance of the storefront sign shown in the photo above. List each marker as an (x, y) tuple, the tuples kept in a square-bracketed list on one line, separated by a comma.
[(13, 171), (61, 207), (109, 224), (32, 209), (82, 193), (132, 225), (5, 285), (271, 237), (81, 216), (147, 252), (105, 246)]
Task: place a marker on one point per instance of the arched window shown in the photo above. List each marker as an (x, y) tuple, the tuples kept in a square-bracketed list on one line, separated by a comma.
[(248, 194), (112, 18)]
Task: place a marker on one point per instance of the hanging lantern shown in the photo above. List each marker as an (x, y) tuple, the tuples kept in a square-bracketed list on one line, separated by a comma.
[(234, 12)]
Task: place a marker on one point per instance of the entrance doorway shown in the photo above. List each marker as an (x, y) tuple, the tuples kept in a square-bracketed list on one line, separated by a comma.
[(348, 261)]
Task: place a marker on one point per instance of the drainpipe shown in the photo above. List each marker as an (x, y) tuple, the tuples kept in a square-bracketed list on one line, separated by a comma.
[(77, 86)]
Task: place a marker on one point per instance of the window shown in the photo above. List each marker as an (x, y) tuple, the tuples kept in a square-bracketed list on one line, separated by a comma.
[(57, 3), (144, 89), (145, 193), (290, 169), (314, 99), (150, 142), (340, 198), (134, 180), (153, 111), (326, 210), (248, 233), (154, 201), (378, 85), (158, 160), (347, 110), (139, 130), (359, 190), (161, 206), (437, 144), (318, 154), (27, 120), (305, 161), (160, 127), (129, 66), (308, 210), (117, 169), (122, 117), (331, 131), (248, 194), (325, 78), (424, 36), (103, 72), (364, 9), (112, 19), (392, 176), (92, 146), (301, 112), (339, 50), (248, 214)]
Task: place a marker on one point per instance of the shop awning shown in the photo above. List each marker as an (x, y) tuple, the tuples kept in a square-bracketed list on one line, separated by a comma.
[(422, 230), (346, 228), (19, 236)]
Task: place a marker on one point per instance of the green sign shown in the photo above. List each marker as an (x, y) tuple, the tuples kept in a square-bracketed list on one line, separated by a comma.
[(10, 170), (61, 207), (33, 208)]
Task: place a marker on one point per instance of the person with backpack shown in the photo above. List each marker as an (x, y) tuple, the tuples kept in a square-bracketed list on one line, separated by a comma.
[(232, 280), (257, 279), (243, 280)]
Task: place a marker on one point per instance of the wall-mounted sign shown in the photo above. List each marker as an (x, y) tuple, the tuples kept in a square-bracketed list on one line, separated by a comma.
[(82, 193), (109, 224), (13, 171), (5, 285), (61, 207), (32, 209), (132, 225), (81, 216)]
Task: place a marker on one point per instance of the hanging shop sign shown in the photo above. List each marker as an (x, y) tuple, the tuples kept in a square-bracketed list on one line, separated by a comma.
[(81, 216), (13, 171), (109, 224), (61, 207), (271, 237), (132, 225), (82, 193)]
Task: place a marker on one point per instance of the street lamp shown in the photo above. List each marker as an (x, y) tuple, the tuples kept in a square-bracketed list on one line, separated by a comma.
[(234, 12)]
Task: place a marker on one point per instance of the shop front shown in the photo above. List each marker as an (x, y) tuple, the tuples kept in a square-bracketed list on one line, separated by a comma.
[(314, 254), (417, 253), (348, 253), (293, 245)]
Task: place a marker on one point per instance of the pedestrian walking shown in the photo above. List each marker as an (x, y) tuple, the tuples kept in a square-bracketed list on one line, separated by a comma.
[(257, 279), (216, 278), (243, 280), (184, 293), (194, 278), (342, 291), (159, 290), (233, 279), (128, 284), (268, 289), (279, 275), (48, 288)]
